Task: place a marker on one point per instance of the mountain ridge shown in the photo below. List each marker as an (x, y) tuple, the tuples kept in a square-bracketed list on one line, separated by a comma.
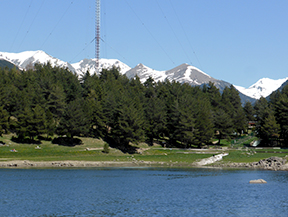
[(183, 73), (263, 87)]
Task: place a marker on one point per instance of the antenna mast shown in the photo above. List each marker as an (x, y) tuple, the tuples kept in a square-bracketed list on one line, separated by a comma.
[(97, 37)]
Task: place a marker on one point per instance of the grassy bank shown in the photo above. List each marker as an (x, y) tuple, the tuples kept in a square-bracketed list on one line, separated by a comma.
[(92, 150)]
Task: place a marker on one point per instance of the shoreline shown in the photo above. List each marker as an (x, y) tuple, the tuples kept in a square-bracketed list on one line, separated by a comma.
[(75, 164), (26, 164)]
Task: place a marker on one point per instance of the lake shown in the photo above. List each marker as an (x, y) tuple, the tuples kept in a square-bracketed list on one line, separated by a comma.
[(142, 192)]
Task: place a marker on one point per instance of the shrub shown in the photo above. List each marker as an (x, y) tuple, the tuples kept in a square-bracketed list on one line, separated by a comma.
[(106, 148)]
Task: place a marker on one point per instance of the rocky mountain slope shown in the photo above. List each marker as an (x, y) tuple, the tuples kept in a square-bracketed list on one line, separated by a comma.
[(4, 63)]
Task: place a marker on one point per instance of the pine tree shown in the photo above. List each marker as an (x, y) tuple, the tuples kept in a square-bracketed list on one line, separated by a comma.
[(187, 129), (155, 118), (4, 117), (50, 124), (94, 111), (262, 111), (56, 101), (249, 111), (214, 95), (74, 121), (23, 123), (203, 121), (281, 113), (69, 82), (270, 130), (223, 124), (231, 104), (36, 125), (174, 124), (128, 125), (155, 112), (30, 122)]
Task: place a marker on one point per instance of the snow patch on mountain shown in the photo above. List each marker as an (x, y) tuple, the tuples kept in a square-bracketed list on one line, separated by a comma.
[(27, 58), (90, 65), (188, 74), (263, 87), (144, 72)]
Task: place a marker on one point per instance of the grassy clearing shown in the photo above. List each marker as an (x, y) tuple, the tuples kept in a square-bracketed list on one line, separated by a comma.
[(52, 152), (253, 155)]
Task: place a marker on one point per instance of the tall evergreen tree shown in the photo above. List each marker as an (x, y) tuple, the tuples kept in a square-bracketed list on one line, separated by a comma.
[(37, 124), (128, 126), (203, 121), (262, 111), (281, 112), (223, 125), (270, 130), (74, 121), (31, 122), (249, 111), (155, 116), (50, 124), (56, 101), (154, 110), (94, 111), (214, 95), (231, 104), (4, 117), (187, 128), (174, 124)]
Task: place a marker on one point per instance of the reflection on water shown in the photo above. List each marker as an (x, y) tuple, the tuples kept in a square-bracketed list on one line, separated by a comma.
[(142, 192)]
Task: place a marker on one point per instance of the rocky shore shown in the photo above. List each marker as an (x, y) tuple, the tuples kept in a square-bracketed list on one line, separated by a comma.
[(272, 163), (52, 164)]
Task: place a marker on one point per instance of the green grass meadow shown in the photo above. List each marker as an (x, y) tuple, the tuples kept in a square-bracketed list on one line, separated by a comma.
[(92, 150)]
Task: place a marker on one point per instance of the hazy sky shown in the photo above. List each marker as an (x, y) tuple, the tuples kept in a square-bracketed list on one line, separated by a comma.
[(238, 41)]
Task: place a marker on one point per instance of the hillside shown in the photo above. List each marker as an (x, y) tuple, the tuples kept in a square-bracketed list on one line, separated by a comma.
[(4, 63)]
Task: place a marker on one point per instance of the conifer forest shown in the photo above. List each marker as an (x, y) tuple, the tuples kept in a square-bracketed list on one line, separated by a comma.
[(48, 102)]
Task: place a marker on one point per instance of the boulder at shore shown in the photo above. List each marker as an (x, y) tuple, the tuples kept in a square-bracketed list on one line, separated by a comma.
[(258, 181)]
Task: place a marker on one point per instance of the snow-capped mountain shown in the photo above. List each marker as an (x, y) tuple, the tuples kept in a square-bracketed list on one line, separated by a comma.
[(27, 58), (89, 64), (263, 87), (144, 72), (188, 74), (183, 73)]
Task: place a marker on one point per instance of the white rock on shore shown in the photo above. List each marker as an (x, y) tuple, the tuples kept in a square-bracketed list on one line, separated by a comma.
[(211, 160)]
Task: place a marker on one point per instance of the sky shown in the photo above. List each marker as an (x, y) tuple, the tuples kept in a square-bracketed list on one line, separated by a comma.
[(238, 41)]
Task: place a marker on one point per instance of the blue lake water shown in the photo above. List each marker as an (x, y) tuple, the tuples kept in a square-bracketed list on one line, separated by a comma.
[(142, 192)]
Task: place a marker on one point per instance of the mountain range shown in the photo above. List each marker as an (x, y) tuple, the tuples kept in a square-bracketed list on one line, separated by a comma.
[(183, 73)]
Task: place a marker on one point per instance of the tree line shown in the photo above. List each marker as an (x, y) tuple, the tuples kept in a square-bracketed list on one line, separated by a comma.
[(52, 101)]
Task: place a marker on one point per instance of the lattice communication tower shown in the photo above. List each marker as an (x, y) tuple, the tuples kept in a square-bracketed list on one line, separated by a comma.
[(97, 33)]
